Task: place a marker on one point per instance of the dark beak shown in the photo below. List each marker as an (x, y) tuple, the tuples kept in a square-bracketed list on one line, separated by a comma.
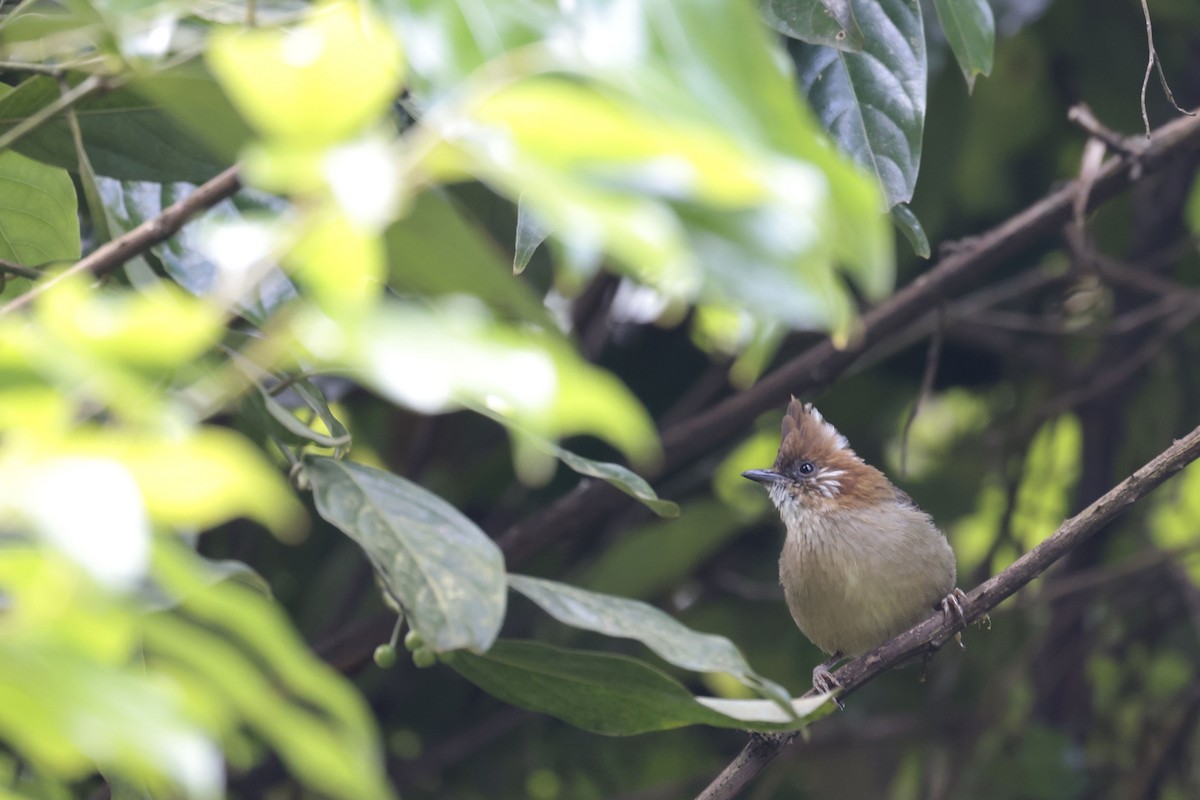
[(766, 476)]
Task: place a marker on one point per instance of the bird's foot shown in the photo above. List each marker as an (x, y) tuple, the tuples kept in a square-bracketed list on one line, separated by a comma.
[(952, 609), (824, 682)]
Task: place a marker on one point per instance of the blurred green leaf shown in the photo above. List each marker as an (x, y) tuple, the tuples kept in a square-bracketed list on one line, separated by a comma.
[(126, 135), (199, 480), (189, 94), (654, 557), (293, 84), (434, 250), (670, 639), (161, 327), (242, 659), (971, 32), (1051, 469), (450, 355), (446, 574), (530, 234), (39, 220), (826, 22), (874, 102)]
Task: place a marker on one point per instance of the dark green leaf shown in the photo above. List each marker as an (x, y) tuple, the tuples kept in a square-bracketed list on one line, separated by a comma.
[(434, 250), (971, 32), (904, 219), (38, 216), (621, 477), (189, 94), (446, 573), (126, 136), (874, 102), (827, 22), (602, 693), (670, 639)]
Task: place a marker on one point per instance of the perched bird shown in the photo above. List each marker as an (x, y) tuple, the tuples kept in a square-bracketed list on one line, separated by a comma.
[(861, 562)]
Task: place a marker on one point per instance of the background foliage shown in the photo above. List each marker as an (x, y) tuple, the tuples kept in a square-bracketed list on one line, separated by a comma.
[(482, 256)]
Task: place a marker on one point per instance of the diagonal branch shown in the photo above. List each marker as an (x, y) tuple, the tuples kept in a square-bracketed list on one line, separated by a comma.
[(928, 636), (820, 365), (109, 256)]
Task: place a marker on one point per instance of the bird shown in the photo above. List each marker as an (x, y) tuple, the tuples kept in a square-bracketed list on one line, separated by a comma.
[(861, 562)]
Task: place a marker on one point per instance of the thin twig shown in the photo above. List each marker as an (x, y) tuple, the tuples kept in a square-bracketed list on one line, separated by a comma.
[(18, 270), (1153, 61), (930, 635), (932, 356), (116, 252)]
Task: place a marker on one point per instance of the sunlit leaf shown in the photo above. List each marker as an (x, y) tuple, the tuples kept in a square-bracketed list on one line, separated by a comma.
[(161, 327), (293, 84), (446, 574), (242, 658), (670, 639), (874, 102), (39, 220), (452, 355), (971, 32), (199, 480)]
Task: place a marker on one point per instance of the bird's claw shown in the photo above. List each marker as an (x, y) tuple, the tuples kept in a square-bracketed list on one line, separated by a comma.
[(825, 683), (952, 609)]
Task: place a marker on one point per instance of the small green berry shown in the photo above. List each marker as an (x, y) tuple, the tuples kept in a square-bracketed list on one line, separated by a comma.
[(385, 656), (413, 640), (423, 657)]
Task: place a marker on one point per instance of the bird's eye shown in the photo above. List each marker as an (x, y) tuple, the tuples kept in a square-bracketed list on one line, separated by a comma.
[(806, 468)]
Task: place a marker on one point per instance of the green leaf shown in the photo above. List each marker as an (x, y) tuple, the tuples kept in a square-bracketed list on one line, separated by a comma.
[(242, 660), (971, 32), (904, 219), (200, 480), (444, 356), (126, 135), (434, 250), (826, 22), (874, 102), (670, 639), (446, 573), (293, 84), (621, 477), (602, 693), (616, 475), (530, 234), (39, 220)]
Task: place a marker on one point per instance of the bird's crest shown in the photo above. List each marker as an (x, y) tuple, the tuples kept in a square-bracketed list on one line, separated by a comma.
[(808, 436)]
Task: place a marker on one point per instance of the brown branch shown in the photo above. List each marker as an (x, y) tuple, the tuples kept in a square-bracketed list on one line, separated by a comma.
[(820, 365), (930, 635), (160, 228)]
